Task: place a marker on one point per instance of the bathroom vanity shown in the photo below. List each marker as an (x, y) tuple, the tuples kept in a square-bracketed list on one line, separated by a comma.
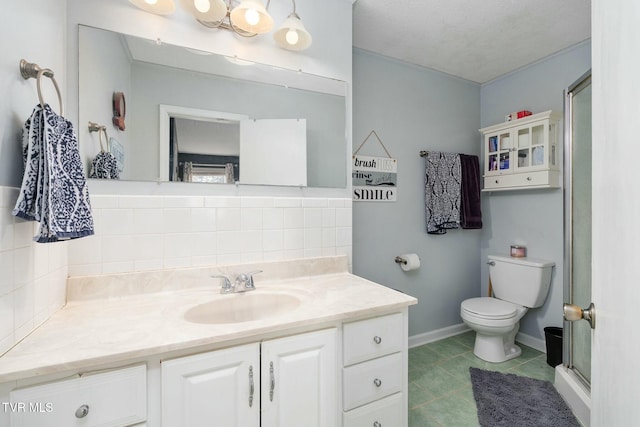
[(313, 345)]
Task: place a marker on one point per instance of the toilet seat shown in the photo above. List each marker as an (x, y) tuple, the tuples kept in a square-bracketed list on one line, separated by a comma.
[(489, 308)]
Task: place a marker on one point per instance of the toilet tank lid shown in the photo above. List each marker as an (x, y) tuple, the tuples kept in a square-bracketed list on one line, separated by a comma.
[(532, 262)]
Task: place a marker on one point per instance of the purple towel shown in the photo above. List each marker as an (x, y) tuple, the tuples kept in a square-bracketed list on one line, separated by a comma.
[(470, 206)]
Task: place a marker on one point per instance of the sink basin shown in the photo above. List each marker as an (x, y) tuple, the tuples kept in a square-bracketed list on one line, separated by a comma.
[(242, 307)]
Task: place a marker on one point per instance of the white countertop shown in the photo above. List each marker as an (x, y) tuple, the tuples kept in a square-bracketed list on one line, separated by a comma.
[(93, 332)]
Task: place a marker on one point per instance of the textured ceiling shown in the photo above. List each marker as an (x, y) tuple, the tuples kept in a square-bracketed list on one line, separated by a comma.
[(477, 40)]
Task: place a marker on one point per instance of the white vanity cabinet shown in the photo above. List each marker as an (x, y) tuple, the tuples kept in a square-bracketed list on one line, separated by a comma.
[(375, 372), (116, 398), (523, 153), (284, 382)]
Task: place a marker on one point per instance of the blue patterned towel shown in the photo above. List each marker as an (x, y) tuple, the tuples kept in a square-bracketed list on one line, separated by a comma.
[(442, 191), (54, 190)]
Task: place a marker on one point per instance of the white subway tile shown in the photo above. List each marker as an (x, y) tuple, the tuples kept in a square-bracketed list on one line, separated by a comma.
[(115, 222), (204, 244), (23, 305), (117, 249), (6, 343), (7, 283), (85, 269), (140, 202), (7, 229), (293, 239), (312, 238), (252, 257), (177, 220), (251, 219), (146, 265), (293, 254), (312, 253), (41, 259), (222, 202), (273, 256), (312, 217), (23, 267), (227, 259), (314, 203), (328, 237), (251, 241), (177, 262), (148, 221), (328, 217), (23, 233), (273, 218), (148, 247), (329, 251), (183, 202), (256, 202), (203, 219), (6, 316), (228, 219), (104, 202), (203, 260), (229, 242), (177, 245), (343, 217), (87, 250), (293, 218), (336, 203), (117, 267), (272, 240), (287, 202), (343, 236)]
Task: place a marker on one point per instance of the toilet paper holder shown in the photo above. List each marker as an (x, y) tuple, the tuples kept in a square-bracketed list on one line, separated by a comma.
[(400, 260)]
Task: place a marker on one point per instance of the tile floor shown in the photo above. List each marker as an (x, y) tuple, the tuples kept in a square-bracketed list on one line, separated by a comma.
[(440, 391)]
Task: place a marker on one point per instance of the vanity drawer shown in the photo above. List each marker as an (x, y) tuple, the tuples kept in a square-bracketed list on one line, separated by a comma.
[(372, 380), (115, 398), (385, 412), (367, 339)]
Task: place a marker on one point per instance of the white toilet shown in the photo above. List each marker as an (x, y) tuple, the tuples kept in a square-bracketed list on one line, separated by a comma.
[(518, 284)]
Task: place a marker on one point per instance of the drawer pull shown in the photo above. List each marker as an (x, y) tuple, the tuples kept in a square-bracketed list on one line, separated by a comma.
[(377, 424), (377, 339), (82, 411), (377, 382), (251, 388), (273, 381), (529, 178), (497, 181)]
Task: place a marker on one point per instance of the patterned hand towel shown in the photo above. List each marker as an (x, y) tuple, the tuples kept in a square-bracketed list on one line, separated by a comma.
[(54, 190), (442, 191)]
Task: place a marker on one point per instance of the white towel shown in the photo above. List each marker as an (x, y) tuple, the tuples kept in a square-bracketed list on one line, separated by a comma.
[(54, 190)]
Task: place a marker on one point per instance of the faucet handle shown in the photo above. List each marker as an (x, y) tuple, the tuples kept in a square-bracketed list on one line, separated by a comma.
[(227, 286), (246, 279)]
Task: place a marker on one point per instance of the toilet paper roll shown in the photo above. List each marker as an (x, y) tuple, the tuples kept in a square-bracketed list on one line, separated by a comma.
[(413, 262)]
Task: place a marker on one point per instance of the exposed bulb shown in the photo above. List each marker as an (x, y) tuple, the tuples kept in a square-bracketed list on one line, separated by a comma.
[(292, 37), (252, 16), (202, 6), (151, 2)]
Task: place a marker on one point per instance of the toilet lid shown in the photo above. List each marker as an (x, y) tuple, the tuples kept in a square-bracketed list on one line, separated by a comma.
[(490, 308)]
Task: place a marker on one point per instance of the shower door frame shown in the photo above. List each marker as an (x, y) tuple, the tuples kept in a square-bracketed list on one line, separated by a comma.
[(568, 356)]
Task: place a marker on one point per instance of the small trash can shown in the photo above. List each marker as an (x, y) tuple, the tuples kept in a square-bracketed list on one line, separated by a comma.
[(553, 339)]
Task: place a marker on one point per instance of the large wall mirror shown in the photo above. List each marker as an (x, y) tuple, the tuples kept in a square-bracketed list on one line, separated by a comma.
[(194, 116)]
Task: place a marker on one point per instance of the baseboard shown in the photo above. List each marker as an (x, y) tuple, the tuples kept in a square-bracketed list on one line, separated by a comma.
[(529, 341), (438, 334), (449, 331)]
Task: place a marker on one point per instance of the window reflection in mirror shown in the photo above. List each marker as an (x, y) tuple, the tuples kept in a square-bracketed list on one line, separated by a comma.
[(152, 74)]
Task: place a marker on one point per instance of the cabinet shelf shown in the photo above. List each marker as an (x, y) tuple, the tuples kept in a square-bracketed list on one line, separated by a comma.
[(522, 153)]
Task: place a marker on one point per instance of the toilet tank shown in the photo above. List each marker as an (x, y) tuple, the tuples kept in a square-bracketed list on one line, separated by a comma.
[(522, 281)]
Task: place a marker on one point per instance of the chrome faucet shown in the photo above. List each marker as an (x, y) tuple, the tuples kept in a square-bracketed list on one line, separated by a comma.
[(242, 283)]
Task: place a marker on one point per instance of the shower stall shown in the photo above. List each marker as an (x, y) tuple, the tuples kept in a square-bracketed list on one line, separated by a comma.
[(573, 377)]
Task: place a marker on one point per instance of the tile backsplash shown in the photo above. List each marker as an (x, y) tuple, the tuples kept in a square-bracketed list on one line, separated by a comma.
[(140, 233), (33, 275)]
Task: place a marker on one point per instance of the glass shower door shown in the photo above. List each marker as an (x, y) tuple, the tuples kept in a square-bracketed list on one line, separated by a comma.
[(577, 342)]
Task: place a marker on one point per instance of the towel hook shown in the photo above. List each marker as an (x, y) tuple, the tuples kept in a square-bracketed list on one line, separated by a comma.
[(30, 70)]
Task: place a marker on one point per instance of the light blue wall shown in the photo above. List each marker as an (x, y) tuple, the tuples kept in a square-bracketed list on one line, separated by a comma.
[(413, 109), (533, 218)]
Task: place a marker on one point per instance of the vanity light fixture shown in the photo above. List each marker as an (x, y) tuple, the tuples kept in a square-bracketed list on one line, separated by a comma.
[(159, 7), (248, 18)]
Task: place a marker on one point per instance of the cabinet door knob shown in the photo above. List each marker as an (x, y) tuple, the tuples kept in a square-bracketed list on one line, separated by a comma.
[(377, 339), (377, 424), (272, 385), (496, 181), (377, 382), (529, 178), (82, 411)]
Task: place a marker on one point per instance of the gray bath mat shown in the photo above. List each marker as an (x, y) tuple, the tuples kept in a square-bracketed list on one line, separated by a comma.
[(510, 400)]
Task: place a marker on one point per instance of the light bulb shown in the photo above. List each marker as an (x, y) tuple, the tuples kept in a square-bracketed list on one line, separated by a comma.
[(292, 37), (151, 1), (202, 6), (252, 16)]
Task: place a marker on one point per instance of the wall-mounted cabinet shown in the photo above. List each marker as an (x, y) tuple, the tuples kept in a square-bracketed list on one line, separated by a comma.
[(523, 153)]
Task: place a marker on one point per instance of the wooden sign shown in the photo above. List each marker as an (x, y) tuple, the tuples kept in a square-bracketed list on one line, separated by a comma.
[(374, 179)]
